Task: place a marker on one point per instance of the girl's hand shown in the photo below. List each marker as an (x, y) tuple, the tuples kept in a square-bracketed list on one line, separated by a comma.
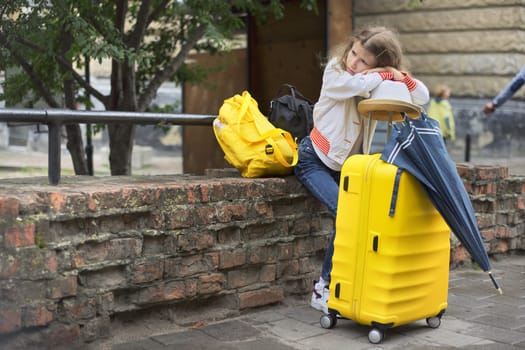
[(398, 75)]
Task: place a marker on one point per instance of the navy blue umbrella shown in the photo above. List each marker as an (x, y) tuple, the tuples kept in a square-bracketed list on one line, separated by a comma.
[(418, 147)]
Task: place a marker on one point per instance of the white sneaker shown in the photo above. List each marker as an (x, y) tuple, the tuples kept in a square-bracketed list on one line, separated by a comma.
[(320, 297)]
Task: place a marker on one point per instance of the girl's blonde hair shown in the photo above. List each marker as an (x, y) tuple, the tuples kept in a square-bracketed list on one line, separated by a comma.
[(380, 42)]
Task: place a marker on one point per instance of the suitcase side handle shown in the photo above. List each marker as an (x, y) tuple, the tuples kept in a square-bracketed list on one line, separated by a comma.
[(345, 183)]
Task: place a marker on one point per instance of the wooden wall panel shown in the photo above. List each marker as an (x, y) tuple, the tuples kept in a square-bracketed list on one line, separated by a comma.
[(199, 147), (289, 50)]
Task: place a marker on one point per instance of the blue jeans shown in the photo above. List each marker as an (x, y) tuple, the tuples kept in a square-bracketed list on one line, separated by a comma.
[(323, 184)]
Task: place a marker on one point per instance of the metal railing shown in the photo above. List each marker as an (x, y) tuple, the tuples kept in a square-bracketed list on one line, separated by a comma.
[(55, 118)]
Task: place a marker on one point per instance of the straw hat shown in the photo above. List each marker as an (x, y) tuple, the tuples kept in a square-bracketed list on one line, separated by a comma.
[(387, 102)]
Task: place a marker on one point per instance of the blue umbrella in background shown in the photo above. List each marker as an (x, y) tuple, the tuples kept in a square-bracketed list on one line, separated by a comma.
[(418, 147)]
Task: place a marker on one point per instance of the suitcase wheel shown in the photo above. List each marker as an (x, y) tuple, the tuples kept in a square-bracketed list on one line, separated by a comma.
[(434, 322), (328, 321), (376, 336)]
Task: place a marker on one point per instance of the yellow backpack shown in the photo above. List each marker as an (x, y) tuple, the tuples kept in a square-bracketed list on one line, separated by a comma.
[(250, 142)]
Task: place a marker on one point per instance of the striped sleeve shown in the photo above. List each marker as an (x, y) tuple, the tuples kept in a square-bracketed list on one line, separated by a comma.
[(386, 75), (409, 82)]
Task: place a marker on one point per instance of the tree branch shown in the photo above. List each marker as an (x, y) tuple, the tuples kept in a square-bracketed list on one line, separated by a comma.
[(157, 11), (164, 74), (65, 64), (28, 68), (136, 35)]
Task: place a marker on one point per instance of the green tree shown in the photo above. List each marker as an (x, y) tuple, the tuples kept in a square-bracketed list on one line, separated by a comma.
[(45, 43)]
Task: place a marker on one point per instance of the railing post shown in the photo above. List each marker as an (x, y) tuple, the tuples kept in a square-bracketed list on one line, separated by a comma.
[(467, 148), (54, 152)]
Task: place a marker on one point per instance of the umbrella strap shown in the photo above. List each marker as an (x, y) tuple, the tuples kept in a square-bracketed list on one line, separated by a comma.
[(395, 190)]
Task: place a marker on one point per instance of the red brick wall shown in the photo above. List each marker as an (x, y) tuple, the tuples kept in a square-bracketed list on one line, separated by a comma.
[(74, 255)]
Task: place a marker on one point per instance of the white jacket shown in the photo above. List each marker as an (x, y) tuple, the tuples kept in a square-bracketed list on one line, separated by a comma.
[(338, 127)]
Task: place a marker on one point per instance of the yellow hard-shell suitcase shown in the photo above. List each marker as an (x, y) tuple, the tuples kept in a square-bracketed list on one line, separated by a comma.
[(391, 251)]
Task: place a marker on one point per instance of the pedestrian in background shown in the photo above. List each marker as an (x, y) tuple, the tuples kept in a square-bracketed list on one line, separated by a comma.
[(441, 110), (515, 84)]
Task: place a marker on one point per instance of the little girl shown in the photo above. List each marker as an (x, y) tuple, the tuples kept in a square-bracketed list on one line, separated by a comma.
[(371, 56)]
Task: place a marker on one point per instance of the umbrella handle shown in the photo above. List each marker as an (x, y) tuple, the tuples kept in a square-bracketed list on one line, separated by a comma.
[(495, 283)]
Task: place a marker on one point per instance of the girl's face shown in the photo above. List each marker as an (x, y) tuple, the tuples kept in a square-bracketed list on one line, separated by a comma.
[(359, 59)]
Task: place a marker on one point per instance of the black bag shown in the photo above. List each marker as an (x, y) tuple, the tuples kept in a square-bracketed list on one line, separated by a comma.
[(293, 112)]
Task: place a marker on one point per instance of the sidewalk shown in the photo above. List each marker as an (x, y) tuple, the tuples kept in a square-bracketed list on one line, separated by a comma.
[(17, 161), (477, 318)]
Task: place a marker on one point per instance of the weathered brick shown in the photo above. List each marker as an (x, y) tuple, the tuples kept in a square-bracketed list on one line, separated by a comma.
[(502, 218), (193, 195), (37, 263), (37, 315), (486, 188), (20, 292), (458, 254), (232, 258), (306, 265), (211, 283), (231, 212), (228, 235), (285, 251), (165, 291), (487, 172), (484, 205), (242, 277), (205, 192), (304, 246), (10, 320), (20, 236), (158, 244), (499, 246), (195, 240), (503, 232), (115, 249), (264, 254), (485, 220), (488, 234), (181, 217), (260, 297), (106, 278), (92, 203), (9, 207), (62, 335), (64, 286), (9, 265), (188, 266), (205, 215), (105, 303), (268, 273), (287, 268), (156, 219), (260, 231), (301, 226), (147, 271), (57, 201), (263, 209), (96, 328), (81, 308)]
